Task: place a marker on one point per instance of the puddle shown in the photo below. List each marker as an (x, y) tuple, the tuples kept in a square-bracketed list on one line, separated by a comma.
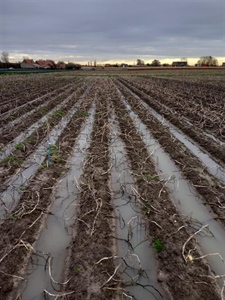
[(131, 226), (214, 168), (186, 199), (11, 195), (57, 234), (10, 147)]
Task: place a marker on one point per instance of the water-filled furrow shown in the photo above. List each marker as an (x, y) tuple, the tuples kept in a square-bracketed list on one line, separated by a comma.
[(133, 244), (57, 233), (11, 196), (186, 199), (35, 101), (214, 168), (9, 147), (23, 116), (197, 134)]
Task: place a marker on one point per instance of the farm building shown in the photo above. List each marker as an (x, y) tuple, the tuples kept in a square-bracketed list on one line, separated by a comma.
[(39, 64), (45, 64), (27, 64), (179, 64)]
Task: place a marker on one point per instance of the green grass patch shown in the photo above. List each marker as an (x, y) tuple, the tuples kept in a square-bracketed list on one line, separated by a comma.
[(81, 113), (77, 270), (30, 140), (59, 113), (55, 157), (19, 146), (11, 159), (22, 188), (145, 177), (158, 245)]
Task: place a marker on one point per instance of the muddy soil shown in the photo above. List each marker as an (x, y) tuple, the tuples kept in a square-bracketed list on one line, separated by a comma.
[(92, 237), (19, 90), (10, 164), (180, 271), (203, 107), (12, 132), (21, 228), (182, 277), (207, 92), (205, 142), (190, 166), (12, 112)]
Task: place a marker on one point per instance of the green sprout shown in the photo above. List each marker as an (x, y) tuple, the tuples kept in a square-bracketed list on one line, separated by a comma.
[(158, 245), (19, 147)]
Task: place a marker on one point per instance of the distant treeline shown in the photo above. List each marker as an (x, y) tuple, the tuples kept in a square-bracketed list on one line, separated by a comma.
[(9, 65)]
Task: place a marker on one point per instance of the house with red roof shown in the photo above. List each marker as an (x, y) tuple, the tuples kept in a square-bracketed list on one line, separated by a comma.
[(45, 64), (28, 64)]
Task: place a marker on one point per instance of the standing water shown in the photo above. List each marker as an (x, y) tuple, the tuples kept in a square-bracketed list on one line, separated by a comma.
[(16, 184), (56, 236), (138, 269), (187, 200)]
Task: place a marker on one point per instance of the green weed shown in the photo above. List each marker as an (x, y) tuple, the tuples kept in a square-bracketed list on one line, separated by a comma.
[(53, 149), (30, 140), (56, 159), (12, 159), (78, 270), (145, 210), (149, 176), (158, 245), (59, 113), (22, 188), (81, 113), (19, 147)]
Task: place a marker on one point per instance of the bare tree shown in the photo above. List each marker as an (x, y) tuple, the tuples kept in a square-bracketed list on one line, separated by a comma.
[(140, 62), (5, 57), (156, 63), (208, 61)]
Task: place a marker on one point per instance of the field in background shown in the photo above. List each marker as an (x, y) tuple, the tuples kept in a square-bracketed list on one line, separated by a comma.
[(76, 148), (164, 71)]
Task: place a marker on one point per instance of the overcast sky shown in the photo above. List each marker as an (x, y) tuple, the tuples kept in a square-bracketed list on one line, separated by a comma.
[(112, 30)]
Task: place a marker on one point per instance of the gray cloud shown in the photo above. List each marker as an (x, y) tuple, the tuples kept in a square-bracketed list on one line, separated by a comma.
[(82, 30)]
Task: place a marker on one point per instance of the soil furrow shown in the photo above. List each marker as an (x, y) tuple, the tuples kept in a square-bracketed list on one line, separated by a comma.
[(208, 94), (181, 276), (212, 147), (190, 166), (92, 241), (14, 161), (12, 119), (10, 133), (56, 236), (9, 111), (21, 89), (19, 232)]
